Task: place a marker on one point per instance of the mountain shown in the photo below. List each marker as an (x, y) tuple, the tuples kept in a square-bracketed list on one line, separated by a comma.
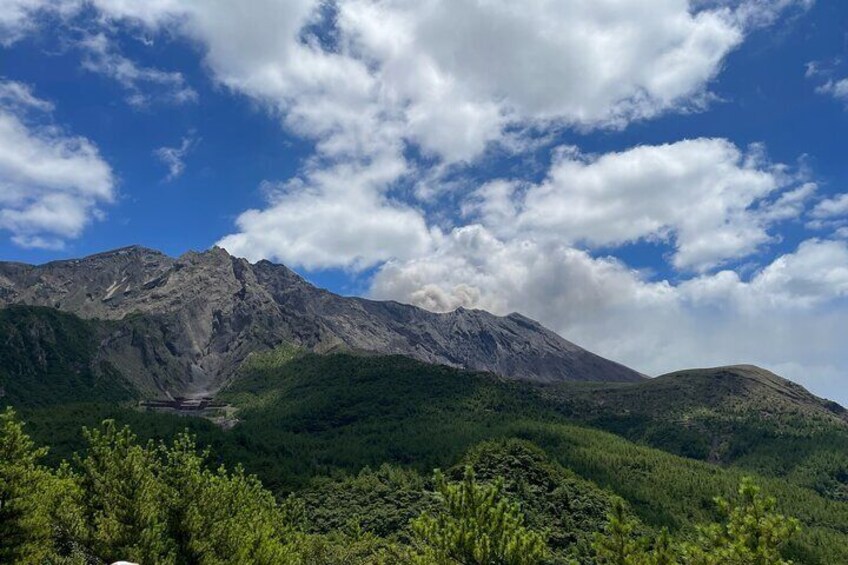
[(182, 326)]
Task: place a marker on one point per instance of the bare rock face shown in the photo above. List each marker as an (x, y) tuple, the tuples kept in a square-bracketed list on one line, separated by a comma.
[(182, 326)]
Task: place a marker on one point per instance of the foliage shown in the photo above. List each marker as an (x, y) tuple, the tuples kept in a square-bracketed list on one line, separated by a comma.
[(159, 502), (29, 494), (125, 508), (49, 357), (742, 415), (617, 544), (555, 501), (476, 524), (381, 502), (753, 534), (152, 503)]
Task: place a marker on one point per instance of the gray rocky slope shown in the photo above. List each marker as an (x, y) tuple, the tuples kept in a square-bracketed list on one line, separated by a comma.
[(183, 325)]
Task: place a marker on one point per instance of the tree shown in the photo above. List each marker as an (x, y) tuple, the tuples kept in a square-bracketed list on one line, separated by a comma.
[(25, 529), (220, 516), (618, 544), (39, 511), (125, 503), (476, 525), (752, 534)]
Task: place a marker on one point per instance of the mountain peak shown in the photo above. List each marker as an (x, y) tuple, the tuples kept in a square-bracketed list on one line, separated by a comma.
[(742, 372), (134, 249)]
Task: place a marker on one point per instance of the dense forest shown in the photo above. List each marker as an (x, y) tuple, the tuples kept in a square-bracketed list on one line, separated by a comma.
[(163, 503), (333, 459)]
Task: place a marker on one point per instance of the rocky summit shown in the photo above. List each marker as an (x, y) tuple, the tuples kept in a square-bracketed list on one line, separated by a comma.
[(182, 326)]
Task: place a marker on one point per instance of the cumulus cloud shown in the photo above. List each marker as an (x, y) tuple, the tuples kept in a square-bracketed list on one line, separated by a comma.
[(398, 73), (428, 65), (333, 217), (174, 157), (830, 215), (52, 183), (425, 68), (706, 195), (394, 73), (573, 62), (790, 316)]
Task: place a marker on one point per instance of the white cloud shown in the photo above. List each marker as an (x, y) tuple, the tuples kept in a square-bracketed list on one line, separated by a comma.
[(447, 78), (425, 69), (144, 85), (831, 207), (556, 62), (51, 183), (333, 217), (18, 96), (705, 195), (758, 13), (836, 88), (792, 314), (17, 17), (174, 157), (826, 74), (815, 273)]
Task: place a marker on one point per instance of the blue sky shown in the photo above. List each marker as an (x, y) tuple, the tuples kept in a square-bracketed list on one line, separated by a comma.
[(659, 180)]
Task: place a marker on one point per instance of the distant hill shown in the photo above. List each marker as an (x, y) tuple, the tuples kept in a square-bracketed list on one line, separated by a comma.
[(741, 415), (184, 325), (738, 391)]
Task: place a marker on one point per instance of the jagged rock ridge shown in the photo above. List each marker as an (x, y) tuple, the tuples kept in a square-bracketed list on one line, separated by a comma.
[(183, 325)]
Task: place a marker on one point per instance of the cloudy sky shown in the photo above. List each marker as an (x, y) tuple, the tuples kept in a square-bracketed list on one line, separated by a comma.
[(662, 181)]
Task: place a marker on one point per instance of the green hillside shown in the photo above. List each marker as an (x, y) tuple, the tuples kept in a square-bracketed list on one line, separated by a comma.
[(309, 415), (48, 357), (740, 415)]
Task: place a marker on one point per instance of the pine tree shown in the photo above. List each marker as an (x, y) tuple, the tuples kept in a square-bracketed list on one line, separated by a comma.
[(25, 529), (476, 525), (39, 512), (618, 545), (753, 533), (218, 516), (126, 510)]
